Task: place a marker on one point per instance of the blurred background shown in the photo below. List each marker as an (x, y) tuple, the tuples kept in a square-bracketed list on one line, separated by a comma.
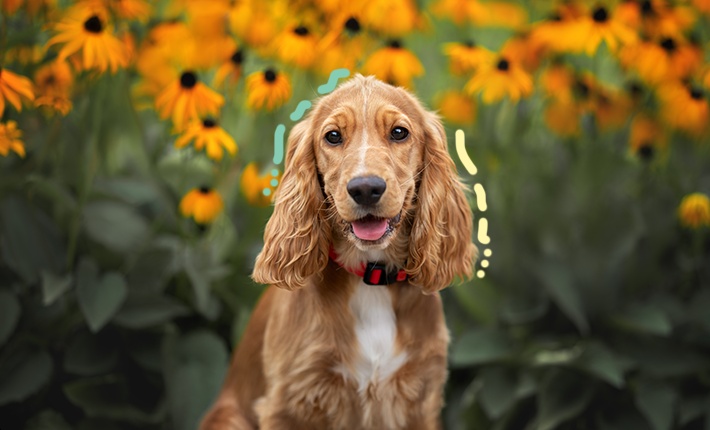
[(137, 169)]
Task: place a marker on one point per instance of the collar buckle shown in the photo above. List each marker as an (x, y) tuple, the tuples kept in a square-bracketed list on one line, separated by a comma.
[(377, 274)]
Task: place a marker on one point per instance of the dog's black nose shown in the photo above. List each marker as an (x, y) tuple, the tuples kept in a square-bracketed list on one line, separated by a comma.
[(366, 190)]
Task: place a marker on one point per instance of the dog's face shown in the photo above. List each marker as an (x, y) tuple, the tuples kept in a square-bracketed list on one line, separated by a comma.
[(369, 166), (368, 145)]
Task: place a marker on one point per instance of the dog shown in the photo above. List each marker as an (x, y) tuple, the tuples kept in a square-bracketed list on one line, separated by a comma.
[(369, 223)]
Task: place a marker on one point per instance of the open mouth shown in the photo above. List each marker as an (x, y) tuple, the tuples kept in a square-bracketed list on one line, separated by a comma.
[(372, 228)]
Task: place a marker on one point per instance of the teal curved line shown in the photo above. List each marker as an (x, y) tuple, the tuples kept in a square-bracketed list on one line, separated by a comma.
[(333, 80), (279, 143), (302, 107)]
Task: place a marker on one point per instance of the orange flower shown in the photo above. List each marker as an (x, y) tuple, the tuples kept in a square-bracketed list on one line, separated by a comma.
[(694, 211), (464, 58), (85, 30), (209, 136), (684, 107), (646, 136), (267, 90), (588, 32), (230, 70), (456, 108), (14, 88), (202, 204), (297, 46), (186, 99), (504, 78), (10, 139), (257, 188), (663, 60), (394, 64), (377, 15)]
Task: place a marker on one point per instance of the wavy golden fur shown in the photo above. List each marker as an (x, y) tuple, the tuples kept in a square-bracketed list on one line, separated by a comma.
[(322, 349)]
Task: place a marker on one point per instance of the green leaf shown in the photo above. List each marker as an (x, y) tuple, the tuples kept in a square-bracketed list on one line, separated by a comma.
[(563, 395), (497, 392), (10, 311), (24, 371), (699, 308), (30, 241), (601, 362), (54, 286), (109, 397), (479, 299), (90, 355), (151, 268), (99, 299), (48, 420), (481, 345), (142, 311), (195, 363), (656, 401), (115, 225), (693, 408), (644, 319), (559, 283)]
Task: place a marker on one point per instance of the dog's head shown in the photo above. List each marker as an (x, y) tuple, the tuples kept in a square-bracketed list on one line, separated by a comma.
[(368, 172)]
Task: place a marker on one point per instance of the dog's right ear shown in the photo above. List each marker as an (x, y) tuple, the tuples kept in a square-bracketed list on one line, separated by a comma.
[(296, 239)]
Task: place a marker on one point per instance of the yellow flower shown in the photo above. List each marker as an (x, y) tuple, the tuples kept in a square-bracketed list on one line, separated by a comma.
[(394, 64), (588, 32), (254, 22), (24, 54), (230, 70), (666, 59), (259, 189), (296, 46), (14, 88), (10, 139), (186, 99), (209, 136), (390, 17), (457, 108), (343, 45), (694, 211), (85, 30), (558, 81), (56, 103), (493, 14), (684, 107), (267, 90), (54, 78), (646, 136), (464, 58), (496, 81), (202, 204)]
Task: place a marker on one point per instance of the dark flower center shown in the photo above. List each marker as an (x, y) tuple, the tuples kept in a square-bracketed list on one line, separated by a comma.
[(555, 17), (635, 89), (503, 65), (301, 31), (188, 80), (582, 89), (93, 25), (600, 15), (646, 151), (668, 44), (695, 93), (238, 57), (269, 75), (647, 8), (204, 189), (469, 44), (209, 123), (396, 44), (352, 24)]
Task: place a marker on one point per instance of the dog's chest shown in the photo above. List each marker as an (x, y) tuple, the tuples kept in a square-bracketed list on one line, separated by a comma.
[(376, 333)]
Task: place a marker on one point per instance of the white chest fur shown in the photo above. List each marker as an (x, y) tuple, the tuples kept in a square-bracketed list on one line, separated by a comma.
[(376, 331)]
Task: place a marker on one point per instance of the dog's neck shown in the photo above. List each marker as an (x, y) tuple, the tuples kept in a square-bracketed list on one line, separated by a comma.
[(394, 256)]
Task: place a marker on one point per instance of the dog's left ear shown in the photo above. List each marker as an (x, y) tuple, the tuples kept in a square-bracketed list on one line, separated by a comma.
[(441, 246)]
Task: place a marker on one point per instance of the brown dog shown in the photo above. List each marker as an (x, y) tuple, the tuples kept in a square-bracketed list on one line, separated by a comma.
[(369, 196)]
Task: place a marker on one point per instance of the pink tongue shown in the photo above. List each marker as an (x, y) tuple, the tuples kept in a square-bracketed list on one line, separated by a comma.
[(371, 229)]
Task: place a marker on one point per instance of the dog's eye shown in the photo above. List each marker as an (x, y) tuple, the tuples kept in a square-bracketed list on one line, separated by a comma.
[(398, 134), (334, 137)]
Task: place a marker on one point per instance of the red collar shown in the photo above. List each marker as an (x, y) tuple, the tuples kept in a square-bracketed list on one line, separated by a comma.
[(372, 273)]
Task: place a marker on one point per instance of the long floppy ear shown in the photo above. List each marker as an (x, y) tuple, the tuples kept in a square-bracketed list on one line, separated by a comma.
[(296, 239), (440, 246)]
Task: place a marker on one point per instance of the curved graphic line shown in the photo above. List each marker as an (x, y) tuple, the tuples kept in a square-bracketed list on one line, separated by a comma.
[(480, 197), (279, 143), (302, 107), (333, 80), (483, 231), (463, 155)]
